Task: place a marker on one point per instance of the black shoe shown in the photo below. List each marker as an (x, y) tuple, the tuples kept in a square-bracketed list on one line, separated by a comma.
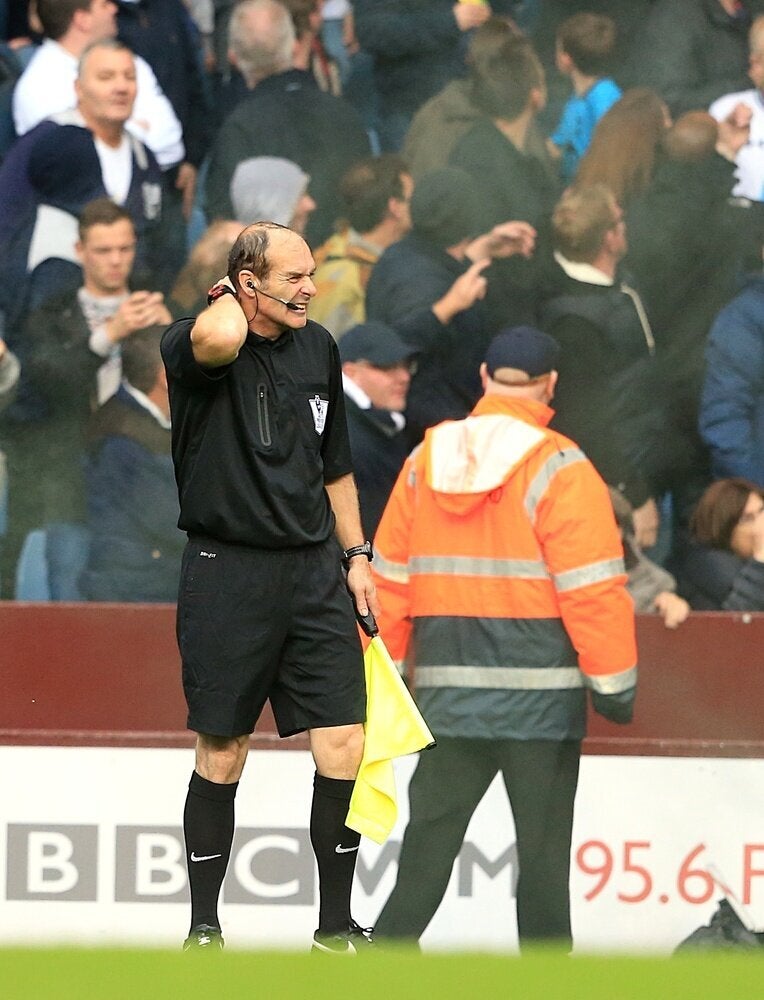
[(350, 942), (204, 936)]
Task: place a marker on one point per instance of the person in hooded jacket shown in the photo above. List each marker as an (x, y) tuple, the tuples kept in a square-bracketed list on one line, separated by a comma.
[(272, 189), (500, 573)]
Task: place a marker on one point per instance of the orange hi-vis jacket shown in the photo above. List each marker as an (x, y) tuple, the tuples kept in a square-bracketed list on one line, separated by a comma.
[(500, 572)]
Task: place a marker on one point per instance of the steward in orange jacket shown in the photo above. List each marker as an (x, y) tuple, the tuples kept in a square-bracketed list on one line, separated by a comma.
[(499, 569), (500, 572)]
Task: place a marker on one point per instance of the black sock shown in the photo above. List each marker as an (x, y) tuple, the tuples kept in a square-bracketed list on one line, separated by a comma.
[(336, 850), (208, 829)]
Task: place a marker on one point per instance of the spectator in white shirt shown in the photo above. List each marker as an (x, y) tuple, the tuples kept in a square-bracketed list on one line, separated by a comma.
[(46, 87), (750, 157)]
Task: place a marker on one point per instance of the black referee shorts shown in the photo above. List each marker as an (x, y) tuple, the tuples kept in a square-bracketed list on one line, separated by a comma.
[(255, 624)]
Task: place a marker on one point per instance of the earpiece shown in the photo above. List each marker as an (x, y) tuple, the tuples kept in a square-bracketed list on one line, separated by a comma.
[(250, 285)]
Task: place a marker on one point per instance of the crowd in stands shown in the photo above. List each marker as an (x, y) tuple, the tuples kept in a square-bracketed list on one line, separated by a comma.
[(591, 168)]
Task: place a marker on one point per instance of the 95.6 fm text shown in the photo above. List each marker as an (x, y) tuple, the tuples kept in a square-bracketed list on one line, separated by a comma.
[(628, 868)]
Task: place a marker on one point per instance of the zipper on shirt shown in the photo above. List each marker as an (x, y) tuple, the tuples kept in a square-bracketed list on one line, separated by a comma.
[(263, 420)]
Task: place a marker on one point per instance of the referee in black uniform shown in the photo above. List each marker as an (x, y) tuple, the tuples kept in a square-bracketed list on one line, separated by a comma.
[(268, 500)]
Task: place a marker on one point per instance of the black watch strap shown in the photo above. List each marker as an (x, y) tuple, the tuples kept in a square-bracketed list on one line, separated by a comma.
[(358, 550), (217, 291)]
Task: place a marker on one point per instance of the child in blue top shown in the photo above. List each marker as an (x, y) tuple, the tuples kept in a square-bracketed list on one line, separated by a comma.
[(585, 44)]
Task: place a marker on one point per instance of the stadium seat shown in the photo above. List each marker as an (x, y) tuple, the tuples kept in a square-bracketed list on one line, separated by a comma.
[(51, 561), (66, 552), (32, 569)]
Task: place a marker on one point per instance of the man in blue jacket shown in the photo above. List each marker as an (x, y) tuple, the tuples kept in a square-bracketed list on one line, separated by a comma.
[(135, 544), (732, 404)]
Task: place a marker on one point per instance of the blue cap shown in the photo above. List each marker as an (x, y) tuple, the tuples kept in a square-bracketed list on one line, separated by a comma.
[(525, 348), (376, 343)]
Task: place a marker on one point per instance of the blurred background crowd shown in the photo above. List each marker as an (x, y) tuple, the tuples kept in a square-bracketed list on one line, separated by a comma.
[(593, 168)]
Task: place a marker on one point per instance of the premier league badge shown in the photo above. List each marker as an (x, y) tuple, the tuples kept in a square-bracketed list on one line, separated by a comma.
[(319, 407)]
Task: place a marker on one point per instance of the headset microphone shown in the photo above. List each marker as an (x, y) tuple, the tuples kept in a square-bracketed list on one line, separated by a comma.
[(259, 291)]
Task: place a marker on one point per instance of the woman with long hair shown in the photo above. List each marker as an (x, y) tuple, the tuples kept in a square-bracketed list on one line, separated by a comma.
[(626, 144)]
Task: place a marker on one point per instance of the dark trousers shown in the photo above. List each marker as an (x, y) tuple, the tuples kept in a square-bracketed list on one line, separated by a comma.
[(450, 780)]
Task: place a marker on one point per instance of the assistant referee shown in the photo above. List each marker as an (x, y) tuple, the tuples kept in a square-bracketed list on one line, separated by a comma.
[(268, 500)]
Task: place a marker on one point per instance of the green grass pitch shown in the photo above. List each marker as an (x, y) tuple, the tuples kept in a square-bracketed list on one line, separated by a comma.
[(72, 974)]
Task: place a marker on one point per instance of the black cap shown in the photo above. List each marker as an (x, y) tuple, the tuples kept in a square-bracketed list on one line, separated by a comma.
[(376, 343), (445, 207), (525, 348)]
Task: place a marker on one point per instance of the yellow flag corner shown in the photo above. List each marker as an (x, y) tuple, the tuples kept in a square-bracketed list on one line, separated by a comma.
[(394, 728)]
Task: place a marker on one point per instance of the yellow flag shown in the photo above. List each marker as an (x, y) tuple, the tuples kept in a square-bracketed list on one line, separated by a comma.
[(394, 728)]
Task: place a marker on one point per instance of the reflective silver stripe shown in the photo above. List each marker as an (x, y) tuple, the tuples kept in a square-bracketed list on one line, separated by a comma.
[(393, 571), (545, 474), (411, 478), (529, 569), (593, 573), (614, 683), (502, 678)]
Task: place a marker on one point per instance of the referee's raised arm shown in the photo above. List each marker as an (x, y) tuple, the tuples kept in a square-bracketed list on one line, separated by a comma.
[(221, 329)]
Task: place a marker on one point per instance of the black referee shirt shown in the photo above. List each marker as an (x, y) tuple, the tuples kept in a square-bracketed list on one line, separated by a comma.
[(254, 442)]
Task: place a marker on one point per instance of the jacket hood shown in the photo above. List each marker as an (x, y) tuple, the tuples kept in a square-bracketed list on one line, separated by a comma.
[(267, 187), (466, 461), (453, 103)]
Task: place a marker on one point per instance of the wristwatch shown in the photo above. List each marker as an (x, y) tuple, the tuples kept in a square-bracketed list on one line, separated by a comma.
[(357, 550), (217, 291)]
